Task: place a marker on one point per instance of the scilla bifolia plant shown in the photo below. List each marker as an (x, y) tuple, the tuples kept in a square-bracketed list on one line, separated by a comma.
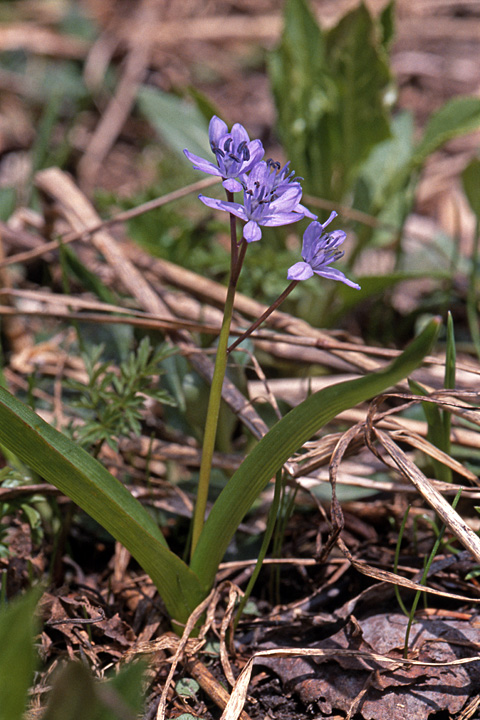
[(271, 196)]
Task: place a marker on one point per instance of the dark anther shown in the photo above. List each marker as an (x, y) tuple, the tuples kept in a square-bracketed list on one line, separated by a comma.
[(227, 144), (273, 164), (243, 150), (218, 152)]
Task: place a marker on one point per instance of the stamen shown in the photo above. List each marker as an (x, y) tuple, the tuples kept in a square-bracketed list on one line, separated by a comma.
[(273, 164)]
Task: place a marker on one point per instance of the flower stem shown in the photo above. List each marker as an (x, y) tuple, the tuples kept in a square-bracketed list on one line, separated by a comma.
[(265, 315), (215, 398)]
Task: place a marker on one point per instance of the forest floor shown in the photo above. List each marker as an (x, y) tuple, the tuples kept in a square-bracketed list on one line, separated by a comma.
[(334, 606)]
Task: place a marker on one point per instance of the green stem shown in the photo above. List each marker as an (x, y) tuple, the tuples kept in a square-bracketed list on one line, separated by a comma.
[(265, 315), (215, 398), (423, 581), (272, 519)]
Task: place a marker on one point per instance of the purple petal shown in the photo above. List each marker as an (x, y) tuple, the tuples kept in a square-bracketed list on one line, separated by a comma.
[(288, 200), (333, 274), (259, 173), (281, 218), (300, 271), (335, 238), (310, 240), (202, 164), (216, 130), (230, 207), (306, 213), (251, 231), (333, 215), (256, 150), (232, 185), (239, 134)]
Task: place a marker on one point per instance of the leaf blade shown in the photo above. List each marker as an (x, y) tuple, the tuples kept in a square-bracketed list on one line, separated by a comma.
[(73, 471), (283, 440)]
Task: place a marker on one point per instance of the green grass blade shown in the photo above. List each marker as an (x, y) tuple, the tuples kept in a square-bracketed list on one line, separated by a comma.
[(83, 479), (450, 356), (287, 436), (17, 659), (449, 382)]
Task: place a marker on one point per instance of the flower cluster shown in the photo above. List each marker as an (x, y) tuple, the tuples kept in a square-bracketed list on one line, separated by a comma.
[(271, 196)]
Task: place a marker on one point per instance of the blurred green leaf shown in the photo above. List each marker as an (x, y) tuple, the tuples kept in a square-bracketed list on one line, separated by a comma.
[(372, 285), (329, 95), (187, 687), (382, 175), (471, 185), (179, 123), (90, 280), (387, 23), (457, 117), (8, 198), (17, 659), (76, 695), (73, 695)]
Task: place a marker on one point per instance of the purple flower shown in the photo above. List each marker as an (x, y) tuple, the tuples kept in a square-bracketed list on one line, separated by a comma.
[(281, 178), (270, 198), (318, 252), (236, 154)]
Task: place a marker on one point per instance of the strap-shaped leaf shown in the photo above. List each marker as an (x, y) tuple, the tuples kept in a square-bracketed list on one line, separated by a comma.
[(17, 657), (83, 479), (287, 436)]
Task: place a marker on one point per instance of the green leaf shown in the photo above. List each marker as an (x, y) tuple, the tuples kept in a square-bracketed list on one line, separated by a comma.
[(286, 437), (73, 695), (187, 687), (385, 171), (362, 75), (387, 23), (73, 471), (435, 433), (304, 93), (17, 628), (376, 285), (180, 124), (471, 185), (89, 280), (329, 95), (457, 117), (76, 695)]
